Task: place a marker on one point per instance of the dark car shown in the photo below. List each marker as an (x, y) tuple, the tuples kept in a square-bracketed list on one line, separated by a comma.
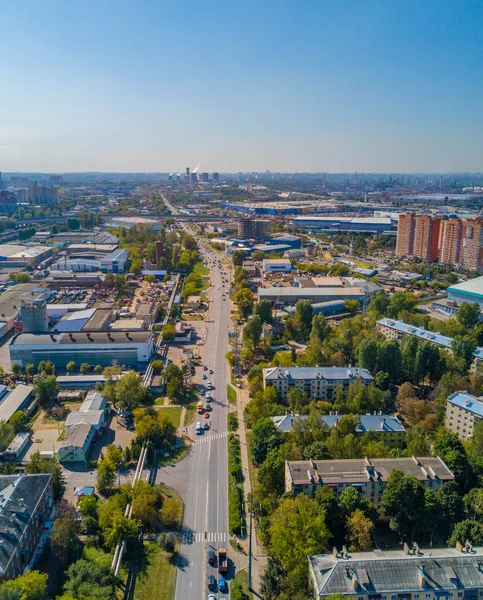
[(211, 557), (211, 583)]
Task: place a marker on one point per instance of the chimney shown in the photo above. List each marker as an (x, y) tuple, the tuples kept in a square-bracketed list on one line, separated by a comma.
[(405, 548), (422, 574), (335, 553)]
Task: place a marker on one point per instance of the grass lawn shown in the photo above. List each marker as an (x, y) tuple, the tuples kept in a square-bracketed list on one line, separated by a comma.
[(92, 553), (239, 586), (174, 413), (159, 578), (192, 317), (200, 269), (175, 454), (190, 413), (231, 393)]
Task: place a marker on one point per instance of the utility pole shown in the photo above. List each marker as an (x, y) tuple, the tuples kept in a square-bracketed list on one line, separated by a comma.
[(250, 547)]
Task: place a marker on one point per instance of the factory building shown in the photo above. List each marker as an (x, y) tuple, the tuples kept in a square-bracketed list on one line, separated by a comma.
[(115, 262), (341, 224), (34, 317), (131, 349)]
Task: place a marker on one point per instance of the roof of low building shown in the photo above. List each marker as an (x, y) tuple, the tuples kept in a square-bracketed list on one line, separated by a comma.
[(14, 400), (379, 572), (93, 417), (20, 495), (297, 373), (76, 436), (93, 401), (381, 423), (96, 337), (359, 470), (472, 286), (468, 402)]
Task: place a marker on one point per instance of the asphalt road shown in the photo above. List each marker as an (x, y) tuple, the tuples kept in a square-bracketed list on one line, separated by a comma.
[(206, 500)]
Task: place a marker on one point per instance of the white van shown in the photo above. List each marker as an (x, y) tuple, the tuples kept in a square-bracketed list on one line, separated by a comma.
[(199, 429)]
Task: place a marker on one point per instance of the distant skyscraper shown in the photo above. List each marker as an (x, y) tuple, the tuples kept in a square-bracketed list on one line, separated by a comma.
[(170, 177), (2, 185), (56, 180), (451, 237), (426, 237), (205, 177), (216, 177), (187, 176), (42, 194), (194, 177)]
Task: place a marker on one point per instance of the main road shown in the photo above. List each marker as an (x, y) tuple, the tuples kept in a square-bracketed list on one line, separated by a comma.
[(205, 525)]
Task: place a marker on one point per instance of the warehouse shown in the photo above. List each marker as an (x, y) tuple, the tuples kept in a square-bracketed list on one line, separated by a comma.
[(13, 400), (337, 224), (115, 262), (277, 265), (12, 298), (77, 265), (291, 295), (468, 291), (17, 255), (96, 348)]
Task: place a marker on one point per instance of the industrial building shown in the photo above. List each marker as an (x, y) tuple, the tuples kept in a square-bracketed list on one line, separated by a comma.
[(368, 476), (13, 298), (26, 514), (463, 412), (291, 295), (277, 265), (468, 291), (332, 307), (388, 428), (342, 224), (319, 383), (11, 401), (409, 574), (115, 262), (16, 255), (33, 316), (131, 349)]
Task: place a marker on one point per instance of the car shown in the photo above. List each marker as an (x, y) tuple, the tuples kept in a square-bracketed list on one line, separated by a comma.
[(208, 397), (207, 415), (211, 583), (211, 557), (206, 425), (205, 368), (211, 371), (222, 584), (212, 597), (203, 376), (208, 408)]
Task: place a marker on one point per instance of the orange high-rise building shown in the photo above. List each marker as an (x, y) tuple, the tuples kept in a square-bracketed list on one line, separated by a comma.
[(426, 237), (472, 244), (451, 238), (405, 235)]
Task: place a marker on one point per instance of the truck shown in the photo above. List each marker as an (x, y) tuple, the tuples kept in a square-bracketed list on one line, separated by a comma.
[(222, 560)]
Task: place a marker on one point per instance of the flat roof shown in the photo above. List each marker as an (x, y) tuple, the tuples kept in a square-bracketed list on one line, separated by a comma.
[(96, 337), (76, 435), (275, 292), (472, 286), (98, 320), (276, 261), (301, 373), (468, 402), (12, 298), (381, 423)]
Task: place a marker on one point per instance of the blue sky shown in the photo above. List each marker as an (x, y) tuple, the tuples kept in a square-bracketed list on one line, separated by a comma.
[(292, 85)]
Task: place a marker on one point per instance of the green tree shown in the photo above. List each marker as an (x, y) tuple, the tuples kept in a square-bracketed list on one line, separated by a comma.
[(37, 464), (368, 355), (244, 301), (32, 586), (85, 368), (90, 579), (71, 366), (271, 584), (98, 369), (379, 303), (468, 314), (352, 306), (464, 348), (252, 332), (304, 310), (87, 506), (359, 529), (402, 500), (106, 476), (320, 329), (467, 530), (263, 309), (297, 529), (64, 539), (121, 529), (120, 282), (46, 366), (46, 388), (265, 437), (169, 332), (129, 391), (238, 257)]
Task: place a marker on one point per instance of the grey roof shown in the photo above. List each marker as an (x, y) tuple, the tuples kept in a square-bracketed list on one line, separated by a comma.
[(359, 470), (472, 287), (96, 337), (19, 495), (468, 402), (76, 436), (302, 373), (12, 298), (14, 401), (393, 571), (119, 254), (381, 423), (308, 293), (93, 417), (93, 401)]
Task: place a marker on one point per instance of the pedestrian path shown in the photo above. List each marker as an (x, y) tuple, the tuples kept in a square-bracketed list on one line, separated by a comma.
[(208, 437), (192, 537)]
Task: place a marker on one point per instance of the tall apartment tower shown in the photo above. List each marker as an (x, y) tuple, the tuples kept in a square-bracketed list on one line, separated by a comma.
[(472, 243), (187, 175), (405, 235), (451, 238), (216, 177), (426, 237), (42, 194), (253, 229)]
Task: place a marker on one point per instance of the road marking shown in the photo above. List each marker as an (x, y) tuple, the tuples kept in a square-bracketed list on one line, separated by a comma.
[(189, 537), (208, 438)]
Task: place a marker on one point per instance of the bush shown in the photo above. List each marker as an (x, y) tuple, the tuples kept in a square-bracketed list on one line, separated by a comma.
[(232, 421), (236, 511), (166, 541)]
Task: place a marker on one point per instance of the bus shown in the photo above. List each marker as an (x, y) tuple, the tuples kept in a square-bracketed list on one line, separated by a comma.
[(199, 407)]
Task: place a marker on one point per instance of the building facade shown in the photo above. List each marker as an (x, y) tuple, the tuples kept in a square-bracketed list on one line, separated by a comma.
[(368, 476), (463, 412), (318, 383), (256, 229), (42, 194), (26, 511), (409, 574)]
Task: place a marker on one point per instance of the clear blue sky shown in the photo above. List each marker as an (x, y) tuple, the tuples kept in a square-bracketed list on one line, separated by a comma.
[(238, 85)]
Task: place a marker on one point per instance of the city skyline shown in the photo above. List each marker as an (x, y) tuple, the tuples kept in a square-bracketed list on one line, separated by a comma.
[(330, 88)]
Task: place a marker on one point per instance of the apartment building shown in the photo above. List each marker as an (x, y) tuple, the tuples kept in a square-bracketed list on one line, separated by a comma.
[(26, 512), (318, 383), (405, 235), (368, 476), (433, 574), (451, 238), (472, 243), (426, 237), (463, 412), (256, 229)]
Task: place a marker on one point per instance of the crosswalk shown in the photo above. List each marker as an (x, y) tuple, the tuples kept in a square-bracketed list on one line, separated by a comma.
[(192, 537), (212, 436)]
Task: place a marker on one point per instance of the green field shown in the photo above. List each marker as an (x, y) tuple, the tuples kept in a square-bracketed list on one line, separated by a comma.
[(190, 413), (200, 269), (159, 578), (174, 413), (239, 587)]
